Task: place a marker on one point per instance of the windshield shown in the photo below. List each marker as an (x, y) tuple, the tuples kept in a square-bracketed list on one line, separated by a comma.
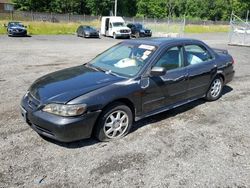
[(118, 24), (12, 24), (124, 59), (139, 26), (89, 28)]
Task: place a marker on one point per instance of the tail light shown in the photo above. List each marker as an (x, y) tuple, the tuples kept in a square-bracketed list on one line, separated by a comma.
[(233, 62)]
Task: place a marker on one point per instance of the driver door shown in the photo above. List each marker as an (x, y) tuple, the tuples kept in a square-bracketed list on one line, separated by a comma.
[(169, 89)]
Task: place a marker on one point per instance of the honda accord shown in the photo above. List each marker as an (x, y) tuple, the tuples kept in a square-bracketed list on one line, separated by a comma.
[(130, 81)]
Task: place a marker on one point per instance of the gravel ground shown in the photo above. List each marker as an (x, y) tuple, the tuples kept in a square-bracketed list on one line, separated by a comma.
[(202, 144)]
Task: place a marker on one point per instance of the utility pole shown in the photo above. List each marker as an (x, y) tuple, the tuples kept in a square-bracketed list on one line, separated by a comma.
[(247, 16), (115, 7)]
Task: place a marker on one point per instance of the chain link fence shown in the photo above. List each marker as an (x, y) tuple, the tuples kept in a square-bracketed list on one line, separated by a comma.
[(239, 33), (46, 17), (169, 27)]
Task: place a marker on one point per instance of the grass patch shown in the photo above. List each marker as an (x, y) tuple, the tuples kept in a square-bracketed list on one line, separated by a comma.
[(178, 28), (48, 28), (206, 28)]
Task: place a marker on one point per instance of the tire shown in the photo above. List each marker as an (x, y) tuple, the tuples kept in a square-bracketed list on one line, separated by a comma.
[(215, 89), (137, 35), (115, 122)]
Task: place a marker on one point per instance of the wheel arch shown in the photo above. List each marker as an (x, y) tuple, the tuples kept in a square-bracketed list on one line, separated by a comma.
[(220, 74), (124, 101)]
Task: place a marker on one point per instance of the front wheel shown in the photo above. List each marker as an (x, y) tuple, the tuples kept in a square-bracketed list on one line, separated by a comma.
[(215, 89), (115, 122)]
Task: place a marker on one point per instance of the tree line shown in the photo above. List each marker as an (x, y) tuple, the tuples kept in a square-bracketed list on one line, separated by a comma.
[(200, 9)]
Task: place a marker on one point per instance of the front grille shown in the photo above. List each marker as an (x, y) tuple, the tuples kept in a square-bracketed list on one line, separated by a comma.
[(124, 31)]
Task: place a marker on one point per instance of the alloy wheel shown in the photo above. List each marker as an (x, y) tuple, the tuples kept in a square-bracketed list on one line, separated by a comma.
[(116, 124), (216, 88)]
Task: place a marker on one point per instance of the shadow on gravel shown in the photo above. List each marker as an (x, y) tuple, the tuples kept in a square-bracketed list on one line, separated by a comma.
[(73, 145), (16, 36), (173, 112), (139, 124)]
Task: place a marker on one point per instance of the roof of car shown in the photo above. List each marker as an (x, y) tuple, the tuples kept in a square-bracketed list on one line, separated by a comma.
[(15, 22), (159, 41)]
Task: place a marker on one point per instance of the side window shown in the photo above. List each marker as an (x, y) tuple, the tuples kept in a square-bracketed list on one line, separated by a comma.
[(197, 54), (171, 59)]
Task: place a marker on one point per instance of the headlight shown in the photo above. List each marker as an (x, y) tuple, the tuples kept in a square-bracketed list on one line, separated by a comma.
[(142, 31), (65, 110)]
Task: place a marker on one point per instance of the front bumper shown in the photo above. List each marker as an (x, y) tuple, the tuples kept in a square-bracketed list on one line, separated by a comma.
[(92, 35), (64, 129), (13, 33), (145, 34), (123, 35)]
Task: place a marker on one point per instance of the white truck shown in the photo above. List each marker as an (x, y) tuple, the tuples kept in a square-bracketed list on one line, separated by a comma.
[(114, 26)]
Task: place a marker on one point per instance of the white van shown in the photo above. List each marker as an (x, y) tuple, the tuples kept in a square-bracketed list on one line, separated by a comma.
[(115, 27)]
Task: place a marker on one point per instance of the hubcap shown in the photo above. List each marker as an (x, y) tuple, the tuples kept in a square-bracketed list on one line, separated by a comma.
[(116, 124), (216, 88)]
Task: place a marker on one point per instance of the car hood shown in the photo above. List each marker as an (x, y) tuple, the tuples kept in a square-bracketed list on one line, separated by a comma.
[(65, 85), (17, 27), (146, 30), (91, 31)]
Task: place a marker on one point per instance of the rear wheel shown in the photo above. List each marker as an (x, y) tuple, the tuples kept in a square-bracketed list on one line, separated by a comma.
[(215, 89), (137, 35), (115, 122)]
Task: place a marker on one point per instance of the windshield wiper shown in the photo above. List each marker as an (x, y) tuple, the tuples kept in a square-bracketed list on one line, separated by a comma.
[(106, 71)]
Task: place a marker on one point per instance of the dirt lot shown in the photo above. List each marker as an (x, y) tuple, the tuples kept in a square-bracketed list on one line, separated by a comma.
[(201, 144)]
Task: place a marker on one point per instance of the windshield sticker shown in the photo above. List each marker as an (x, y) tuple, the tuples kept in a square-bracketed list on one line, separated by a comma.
[(144, 57), (127, 62), (146, 47), (147, 52)]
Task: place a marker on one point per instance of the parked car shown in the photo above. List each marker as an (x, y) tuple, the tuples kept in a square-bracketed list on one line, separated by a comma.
[(87, 32), (130, 81), (242, 30), (114, 26), (16, 29), (138, 30)]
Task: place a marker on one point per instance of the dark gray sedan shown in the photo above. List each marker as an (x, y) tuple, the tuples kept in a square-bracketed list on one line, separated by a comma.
[(130, 81), (16, 29), (87, 32)]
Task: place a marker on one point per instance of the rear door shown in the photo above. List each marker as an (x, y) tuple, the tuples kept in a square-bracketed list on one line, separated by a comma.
[(200, 67), (171, 88)]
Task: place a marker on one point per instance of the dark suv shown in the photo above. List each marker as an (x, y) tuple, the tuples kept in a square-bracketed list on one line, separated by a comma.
[(138, 30)]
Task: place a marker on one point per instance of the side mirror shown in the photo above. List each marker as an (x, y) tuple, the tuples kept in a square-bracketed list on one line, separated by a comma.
[(158, 71)]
